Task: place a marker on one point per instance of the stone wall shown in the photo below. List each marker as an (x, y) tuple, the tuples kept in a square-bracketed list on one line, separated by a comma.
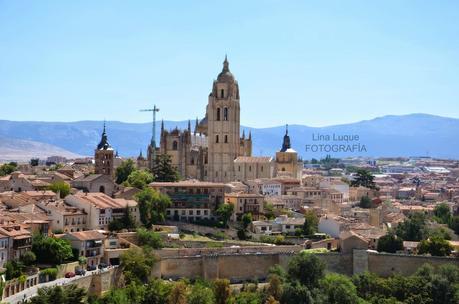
[(386, 264), (247, 266)]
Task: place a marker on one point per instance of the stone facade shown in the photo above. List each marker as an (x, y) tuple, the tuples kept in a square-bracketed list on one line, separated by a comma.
[(208, 153)]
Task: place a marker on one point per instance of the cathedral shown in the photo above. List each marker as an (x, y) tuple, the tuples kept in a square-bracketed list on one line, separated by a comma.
[(208, 151)]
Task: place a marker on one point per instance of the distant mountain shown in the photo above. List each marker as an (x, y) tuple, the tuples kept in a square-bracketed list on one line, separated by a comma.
[(24, 150), (406, 135)]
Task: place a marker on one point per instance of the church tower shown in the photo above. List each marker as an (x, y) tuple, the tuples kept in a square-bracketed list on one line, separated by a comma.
[(287, 159), (104, 156), (223, 127)]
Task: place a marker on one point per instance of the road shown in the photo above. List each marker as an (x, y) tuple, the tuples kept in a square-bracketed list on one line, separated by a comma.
[(32, 291)]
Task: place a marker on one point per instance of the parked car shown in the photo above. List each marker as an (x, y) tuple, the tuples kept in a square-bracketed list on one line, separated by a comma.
[(102, 265), (91, 267), (69, 274), (80, 271)]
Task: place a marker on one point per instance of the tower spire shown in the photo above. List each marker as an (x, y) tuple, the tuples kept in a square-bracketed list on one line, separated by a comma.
[(189, 125), (286, 143), (250, 134), (226, 64), (243, 134), (162, 126), (196, 126)]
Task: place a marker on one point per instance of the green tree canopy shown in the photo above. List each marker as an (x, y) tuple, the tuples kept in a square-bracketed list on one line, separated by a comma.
[(338, 289), (8, 168), (163, 171), (70, 294), (442, 213), (49, 250), (124, 170), (363, 178), (201, 294), (413, 228), (137, 264), (365, 202), (390, 243), (139, 179), (152, 206), (149, 238), (60, 187), (225, 211), (435, 246), (222, 291), (246, 220), (311, 222), (307, 269)]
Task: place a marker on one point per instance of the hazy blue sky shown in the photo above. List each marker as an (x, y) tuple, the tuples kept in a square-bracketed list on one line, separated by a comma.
[(306, 62)]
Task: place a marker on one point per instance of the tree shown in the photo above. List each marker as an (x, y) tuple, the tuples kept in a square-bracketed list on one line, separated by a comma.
[(338, 289), (70, 294), (149, 238), (28, 258), (201, 294), (178, 294), (271, 300), (439, 232), (442, 213), (295, 293), (124, 170), (115, 225), (50, 250), (454, 224), (128, 220), (364, 178), (152, 206), (224, 212), (311, 222), (246, 220), (137, 265), (413, 228), (157, 292), (60, 187), (34, 162), (222, 291), (365, 202), (13, 269), (274, 286), (139, 179), (435, 246), (8, 168), (163, 171), (306, 268), (390, 243)]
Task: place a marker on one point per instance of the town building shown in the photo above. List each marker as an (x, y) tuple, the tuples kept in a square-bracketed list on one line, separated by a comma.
[(63, 217), (245, 203), (102, 209), (90, 244), (104, 156), (192, 200)]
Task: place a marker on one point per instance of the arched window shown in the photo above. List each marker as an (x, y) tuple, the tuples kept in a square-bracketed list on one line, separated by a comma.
[(222, 93), (225, 113), (174, 145), (216, 139), (218, 114), (192, 160), (226, 139)]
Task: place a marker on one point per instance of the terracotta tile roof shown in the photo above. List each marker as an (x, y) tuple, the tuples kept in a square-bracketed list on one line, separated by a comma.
[(103, 201), (186, 183), (87, 235), (253, 159)]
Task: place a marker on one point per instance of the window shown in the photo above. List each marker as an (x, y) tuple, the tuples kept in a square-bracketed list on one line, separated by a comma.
[(174, 145), (225, 113), (222, 93), (261, 168), (192, 160), (239, 168), (226, 139), (250, 168), (218, 114)]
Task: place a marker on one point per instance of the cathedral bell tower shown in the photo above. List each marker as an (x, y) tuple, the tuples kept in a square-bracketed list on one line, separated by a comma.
[(104, 156), (223, 123)]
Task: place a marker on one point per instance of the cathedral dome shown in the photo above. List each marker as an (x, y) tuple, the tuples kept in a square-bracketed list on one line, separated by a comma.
[(225, 75)]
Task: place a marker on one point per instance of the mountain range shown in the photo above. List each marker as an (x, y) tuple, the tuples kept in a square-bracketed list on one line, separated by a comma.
[(404, 135)]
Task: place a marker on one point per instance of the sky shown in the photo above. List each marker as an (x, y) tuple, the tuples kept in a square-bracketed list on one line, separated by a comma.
[(314, 63)]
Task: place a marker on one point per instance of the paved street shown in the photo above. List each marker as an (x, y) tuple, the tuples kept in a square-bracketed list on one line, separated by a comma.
[(32, 291)]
